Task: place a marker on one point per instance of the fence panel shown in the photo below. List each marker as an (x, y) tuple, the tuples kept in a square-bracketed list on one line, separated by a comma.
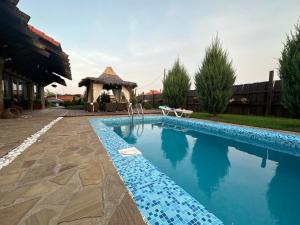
[(247, 99)]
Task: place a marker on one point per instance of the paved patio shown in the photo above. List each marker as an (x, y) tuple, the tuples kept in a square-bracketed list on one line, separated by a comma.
[(64, 178), (14, 131)]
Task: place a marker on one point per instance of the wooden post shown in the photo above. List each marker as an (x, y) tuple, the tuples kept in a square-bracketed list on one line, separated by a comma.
[(152, 100), (269, 93), (1, 78), (91, 92), (42, 96), (30, 94)]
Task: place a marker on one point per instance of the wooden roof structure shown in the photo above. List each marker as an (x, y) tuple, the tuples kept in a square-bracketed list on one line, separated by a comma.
[(27, 50), (109, 79)]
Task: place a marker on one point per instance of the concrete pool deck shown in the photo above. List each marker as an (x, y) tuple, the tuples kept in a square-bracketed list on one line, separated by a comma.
[(66, 177)]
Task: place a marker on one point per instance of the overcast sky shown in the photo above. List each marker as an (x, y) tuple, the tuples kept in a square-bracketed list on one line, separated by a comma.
[(141, 38)]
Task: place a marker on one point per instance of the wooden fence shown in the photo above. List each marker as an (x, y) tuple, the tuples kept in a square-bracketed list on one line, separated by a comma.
[(262, 98)]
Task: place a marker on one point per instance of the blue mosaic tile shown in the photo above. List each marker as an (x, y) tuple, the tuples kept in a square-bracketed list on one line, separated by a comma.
[(160, 200), (273, 140)]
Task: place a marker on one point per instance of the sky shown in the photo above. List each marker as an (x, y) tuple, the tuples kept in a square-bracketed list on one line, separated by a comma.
[(141, 38)]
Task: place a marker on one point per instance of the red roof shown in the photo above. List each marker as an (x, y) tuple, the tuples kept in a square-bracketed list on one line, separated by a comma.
[(64, 97), (43, 35), (152, 92)]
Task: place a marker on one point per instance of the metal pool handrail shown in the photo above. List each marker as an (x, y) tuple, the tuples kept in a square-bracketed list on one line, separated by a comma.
[(141, 107), (140, 110), (130, 110)]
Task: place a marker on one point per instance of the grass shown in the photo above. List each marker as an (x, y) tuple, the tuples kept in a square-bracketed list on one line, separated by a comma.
[(277, 123)]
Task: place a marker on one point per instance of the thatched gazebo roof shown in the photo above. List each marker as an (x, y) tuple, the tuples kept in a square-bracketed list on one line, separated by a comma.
[(109, 79)]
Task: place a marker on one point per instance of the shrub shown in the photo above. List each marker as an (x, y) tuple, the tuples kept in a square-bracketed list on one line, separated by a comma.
[(176, 85), (133, 97), (289, 72), (67, 103), (77, 100), (147, 105), (214, 79)]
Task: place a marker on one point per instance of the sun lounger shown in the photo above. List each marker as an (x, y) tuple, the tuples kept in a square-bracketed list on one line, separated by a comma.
[(181, 112), (178, 112), (166, 109)]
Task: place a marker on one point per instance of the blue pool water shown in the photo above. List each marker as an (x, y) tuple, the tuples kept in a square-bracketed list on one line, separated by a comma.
[(238, 182)]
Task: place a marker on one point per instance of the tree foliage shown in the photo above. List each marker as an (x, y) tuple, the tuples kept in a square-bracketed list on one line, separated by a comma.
[(289, 72), (50, 93), (176, 85), (214, 79)]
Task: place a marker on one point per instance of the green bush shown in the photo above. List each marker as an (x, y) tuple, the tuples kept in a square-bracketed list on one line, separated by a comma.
[(67, 103), (289, 72), (77, 100), (214, 79), (176, 85), (133, 97), (147, 105)]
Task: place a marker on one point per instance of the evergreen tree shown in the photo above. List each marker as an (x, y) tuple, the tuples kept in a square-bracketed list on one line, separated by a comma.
[(289, 72), (214, 79), (176, 85)]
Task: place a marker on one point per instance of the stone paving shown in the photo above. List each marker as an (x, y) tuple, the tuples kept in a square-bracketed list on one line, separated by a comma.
[(14, 131), (64, 178)]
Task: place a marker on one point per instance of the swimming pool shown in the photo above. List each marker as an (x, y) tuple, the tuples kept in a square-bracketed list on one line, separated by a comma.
[(241, 175)]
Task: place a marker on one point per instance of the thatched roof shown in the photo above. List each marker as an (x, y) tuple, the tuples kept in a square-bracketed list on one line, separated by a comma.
[(107, 78)]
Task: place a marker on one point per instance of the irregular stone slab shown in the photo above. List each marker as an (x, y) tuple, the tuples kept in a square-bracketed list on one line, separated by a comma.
[(91, 175), (13, 214), (62, 195), (85, 151), (9, 178), (47, 159), (108, 168), (41, 217), (9, 197), (39, 172), (113, 190), (84, 204), (38, 189), (67, 166), (69, 151), (125, 213), (28, 163), (74, 158), (63, 177)]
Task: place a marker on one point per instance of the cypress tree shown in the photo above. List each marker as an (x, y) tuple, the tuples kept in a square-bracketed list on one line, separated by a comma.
[(176, 84), (289, 72), (214, 79)]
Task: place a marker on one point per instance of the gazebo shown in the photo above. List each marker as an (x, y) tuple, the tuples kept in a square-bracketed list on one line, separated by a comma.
[(108, 80)]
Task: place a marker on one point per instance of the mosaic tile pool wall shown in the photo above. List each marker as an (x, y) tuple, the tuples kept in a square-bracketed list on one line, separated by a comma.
[(158, 198), (273, 140)]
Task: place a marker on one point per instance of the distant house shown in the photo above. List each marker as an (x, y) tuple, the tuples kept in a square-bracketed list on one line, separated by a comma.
[(68, 98), (54, 100), (63, 98), (152, 92)]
